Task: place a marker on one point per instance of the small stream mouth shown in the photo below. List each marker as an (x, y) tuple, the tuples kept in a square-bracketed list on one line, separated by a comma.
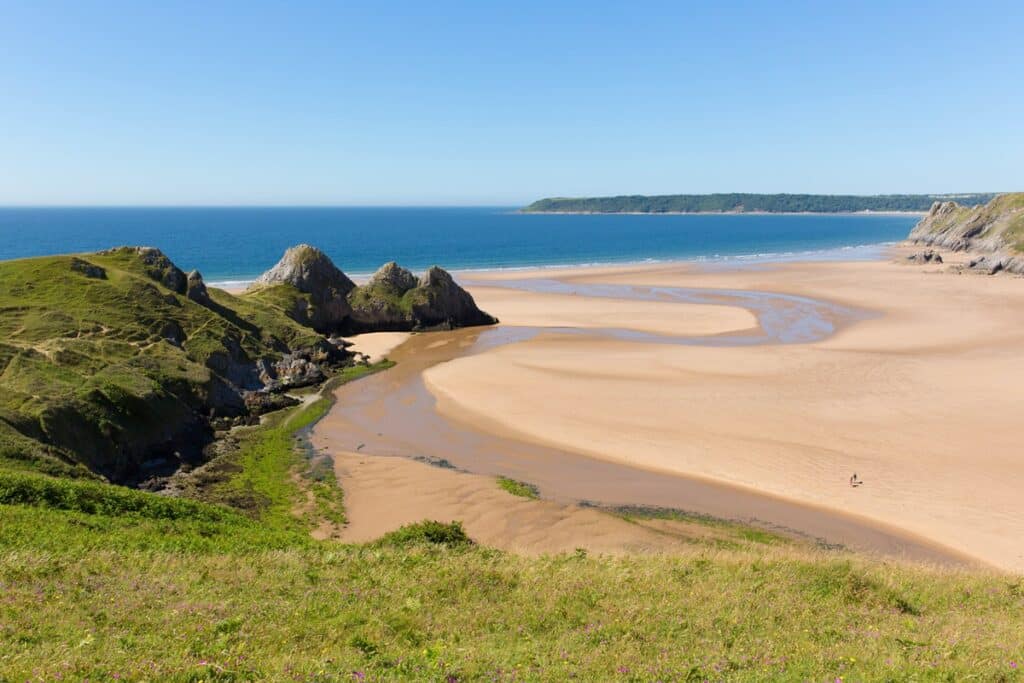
[(393, 414)]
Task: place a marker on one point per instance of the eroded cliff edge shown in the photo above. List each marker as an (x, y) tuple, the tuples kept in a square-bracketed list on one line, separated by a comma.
[(993, 233)]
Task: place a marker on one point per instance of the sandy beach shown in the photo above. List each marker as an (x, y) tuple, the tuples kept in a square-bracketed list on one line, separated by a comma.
[(921, 400)]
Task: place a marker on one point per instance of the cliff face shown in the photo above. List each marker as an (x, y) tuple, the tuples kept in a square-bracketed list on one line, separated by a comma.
[(309, 271), (993, 231), (120, 364), (313, 291)]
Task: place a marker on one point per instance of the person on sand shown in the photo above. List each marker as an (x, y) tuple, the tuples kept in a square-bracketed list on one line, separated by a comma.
[(854, 481)]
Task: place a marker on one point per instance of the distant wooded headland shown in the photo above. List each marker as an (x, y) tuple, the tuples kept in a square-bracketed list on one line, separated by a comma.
[(752, 203)]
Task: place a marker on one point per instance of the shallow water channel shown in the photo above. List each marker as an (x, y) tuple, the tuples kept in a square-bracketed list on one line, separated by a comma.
[(394, 414)]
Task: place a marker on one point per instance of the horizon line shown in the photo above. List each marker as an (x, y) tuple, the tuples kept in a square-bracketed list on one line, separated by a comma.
[(484, 205), (258, 206)]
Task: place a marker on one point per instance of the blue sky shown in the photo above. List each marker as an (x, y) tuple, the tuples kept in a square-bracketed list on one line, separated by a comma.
[(487, 103)]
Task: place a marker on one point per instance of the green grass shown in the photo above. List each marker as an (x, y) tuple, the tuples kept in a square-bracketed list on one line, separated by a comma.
[(87, 596), (318, 470), (355, 372), (518, 488), (380, 298), (720, 533), (100, 371), (99, 582), (272, 468), (99, 499)]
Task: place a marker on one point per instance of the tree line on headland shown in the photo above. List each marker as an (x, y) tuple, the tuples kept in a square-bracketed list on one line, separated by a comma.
[(750, 203)]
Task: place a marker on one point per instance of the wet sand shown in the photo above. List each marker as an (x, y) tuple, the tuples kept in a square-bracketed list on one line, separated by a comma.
[(376, 346), (531, 400), (383, 493), (921, 400)]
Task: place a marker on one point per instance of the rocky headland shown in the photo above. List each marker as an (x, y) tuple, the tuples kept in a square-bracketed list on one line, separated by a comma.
[(992, 234), (118, 364), (310, 289)]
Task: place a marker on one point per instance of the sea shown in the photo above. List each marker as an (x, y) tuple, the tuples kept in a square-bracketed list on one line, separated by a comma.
[(232, 246)]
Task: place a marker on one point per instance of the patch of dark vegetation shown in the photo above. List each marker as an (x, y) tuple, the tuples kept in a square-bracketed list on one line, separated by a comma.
[(854, 585), (658, 512), (428, 532), (87, 269), (443, 463), (751, 531), (519, 488)]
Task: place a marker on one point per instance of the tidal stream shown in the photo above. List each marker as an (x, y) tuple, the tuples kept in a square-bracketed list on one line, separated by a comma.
[(394, 414)]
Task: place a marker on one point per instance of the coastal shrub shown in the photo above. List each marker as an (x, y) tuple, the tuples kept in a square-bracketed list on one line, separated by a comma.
[(519, 488), (428, 532)]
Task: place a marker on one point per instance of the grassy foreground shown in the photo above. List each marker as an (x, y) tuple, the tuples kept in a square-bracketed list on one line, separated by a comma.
[(104, 583)]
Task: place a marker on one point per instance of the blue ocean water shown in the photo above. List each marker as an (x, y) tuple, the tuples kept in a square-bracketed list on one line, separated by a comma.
[(236, 244)]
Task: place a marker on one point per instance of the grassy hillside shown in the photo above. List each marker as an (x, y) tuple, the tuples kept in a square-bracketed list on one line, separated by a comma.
[(741, 202), (227, 582), (103, 583), (105, 361)]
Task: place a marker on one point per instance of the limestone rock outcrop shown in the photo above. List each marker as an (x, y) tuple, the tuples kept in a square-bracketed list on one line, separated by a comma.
[(87, 269), (447, 303), (393, 277), (393, 299), (311, 272), (994, 232), (926, 256), (195, 289)]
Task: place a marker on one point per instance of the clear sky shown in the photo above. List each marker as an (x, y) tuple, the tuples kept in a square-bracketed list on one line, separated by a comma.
[(487, 103)]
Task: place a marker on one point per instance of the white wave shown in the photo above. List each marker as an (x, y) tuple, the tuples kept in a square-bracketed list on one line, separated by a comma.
[(866, 252)]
